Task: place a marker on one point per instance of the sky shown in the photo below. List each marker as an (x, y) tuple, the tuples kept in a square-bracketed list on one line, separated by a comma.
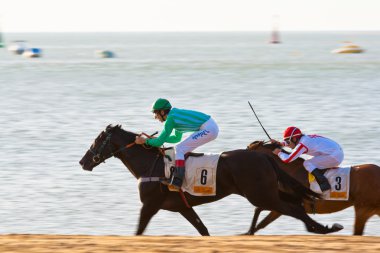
[(188, 15)]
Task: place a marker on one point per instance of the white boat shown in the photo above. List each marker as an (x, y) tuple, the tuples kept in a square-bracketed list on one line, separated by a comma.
[(32, 52), (350, 48), (17, 47)]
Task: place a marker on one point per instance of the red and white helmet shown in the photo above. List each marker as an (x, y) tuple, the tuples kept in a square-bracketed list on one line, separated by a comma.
[(291, 132)]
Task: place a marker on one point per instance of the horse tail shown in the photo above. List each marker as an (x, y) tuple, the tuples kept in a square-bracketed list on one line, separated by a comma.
[(299, 190)]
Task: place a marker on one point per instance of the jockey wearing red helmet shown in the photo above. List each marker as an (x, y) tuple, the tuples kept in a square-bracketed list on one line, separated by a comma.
[(325, 153), (291, 132)]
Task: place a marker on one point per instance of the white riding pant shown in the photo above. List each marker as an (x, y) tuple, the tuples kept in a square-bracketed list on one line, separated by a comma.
[(324, 161), (207, 132)]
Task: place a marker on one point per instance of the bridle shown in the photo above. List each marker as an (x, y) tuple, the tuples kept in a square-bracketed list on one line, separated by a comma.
[(99, 157)]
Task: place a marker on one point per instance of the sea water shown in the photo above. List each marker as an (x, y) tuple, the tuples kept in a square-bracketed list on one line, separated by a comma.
[(53, 107)]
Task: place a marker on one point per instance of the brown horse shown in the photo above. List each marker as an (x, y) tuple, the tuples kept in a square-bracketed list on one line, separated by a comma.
[(364, 191), (250, 174)]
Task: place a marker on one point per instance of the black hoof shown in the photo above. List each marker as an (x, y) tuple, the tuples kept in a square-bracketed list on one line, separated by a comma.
[(336, 227)]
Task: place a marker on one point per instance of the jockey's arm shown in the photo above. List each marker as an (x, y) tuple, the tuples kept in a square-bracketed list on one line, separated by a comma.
[(297, 151), (164, 136), (175, 138)]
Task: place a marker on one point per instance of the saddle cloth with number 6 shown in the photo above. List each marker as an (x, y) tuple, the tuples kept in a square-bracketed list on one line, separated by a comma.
[(339, 179), (200, 173)]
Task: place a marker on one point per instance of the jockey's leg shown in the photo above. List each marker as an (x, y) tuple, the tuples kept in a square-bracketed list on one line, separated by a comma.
[(315, 164), (207, 132), (178, 174), (321, 180)]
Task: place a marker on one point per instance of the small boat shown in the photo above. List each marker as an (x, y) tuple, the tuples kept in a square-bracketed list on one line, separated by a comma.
[(1, 41), (17, 47), (275, 37), (350, 48), (2, 44), (104, 54), (32, 52)]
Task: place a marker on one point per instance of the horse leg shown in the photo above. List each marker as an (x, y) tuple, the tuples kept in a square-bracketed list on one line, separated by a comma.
[(194, 219), (362, 214), (256, 215), (294, 210), (272, 216), (146, 213), (298, 211)]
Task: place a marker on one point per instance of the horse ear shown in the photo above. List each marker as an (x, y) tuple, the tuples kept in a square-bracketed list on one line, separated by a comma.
[(255, 144), (109, 127), (252, 145)]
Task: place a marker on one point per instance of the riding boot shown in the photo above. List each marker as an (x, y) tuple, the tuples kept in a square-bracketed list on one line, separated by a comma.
[(179, 174), (321, 180)]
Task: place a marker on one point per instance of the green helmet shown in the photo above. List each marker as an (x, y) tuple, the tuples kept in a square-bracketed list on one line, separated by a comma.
[(161, 104)]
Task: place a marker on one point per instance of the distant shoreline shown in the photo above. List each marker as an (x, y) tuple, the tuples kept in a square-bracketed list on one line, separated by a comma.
[(85, 243), (203, 32)]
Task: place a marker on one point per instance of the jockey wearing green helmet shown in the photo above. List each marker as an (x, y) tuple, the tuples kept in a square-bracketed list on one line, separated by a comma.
[(204, 129), (161, 104)]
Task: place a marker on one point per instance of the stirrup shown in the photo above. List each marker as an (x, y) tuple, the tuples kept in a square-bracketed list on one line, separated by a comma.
[(174, 188), (165, 181)]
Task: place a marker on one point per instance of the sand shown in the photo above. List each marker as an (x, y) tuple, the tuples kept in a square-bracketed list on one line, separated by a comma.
[(264, 243)]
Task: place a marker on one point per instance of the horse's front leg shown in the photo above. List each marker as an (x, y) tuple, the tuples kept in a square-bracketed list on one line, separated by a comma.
[(194, 219), (272, 216), (152, 198), (147, 211)]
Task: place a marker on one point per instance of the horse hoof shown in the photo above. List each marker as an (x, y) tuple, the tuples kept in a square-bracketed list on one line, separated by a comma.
[(247, 233), (336, 227)]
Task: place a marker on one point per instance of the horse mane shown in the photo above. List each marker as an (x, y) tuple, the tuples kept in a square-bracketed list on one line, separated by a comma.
[(112, 128), (256, 144)]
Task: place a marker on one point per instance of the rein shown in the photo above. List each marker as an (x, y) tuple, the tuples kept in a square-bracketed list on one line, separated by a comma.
[(98, 157)]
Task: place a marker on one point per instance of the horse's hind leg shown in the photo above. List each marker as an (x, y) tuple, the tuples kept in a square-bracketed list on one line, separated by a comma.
[(194, 219), (362, 214), (298, 212), (294, 210)]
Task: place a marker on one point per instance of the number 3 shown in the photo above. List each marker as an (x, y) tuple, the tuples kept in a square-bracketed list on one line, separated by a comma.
[(338, 185)]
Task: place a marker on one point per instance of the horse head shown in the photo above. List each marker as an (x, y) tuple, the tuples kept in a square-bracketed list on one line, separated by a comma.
[(107, 144), (264, 147)]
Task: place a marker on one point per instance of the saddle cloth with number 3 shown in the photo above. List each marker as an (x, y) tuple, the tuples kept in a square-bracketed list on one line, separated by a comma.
[(339, 179), (200, 173)]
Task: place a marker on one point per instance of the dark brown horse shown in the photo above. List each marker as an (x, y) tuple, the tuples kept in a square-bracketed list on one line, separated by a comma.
[(364, 191), (250, 174)]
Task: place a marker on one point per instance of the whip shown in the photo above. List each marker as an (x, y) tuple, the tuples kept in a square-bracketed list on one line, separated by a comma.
[(259, 121)]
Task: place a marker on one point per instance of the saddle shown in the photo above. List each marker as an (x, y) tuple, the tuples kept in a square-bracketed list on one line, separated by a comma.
[(187, 155), (200, 173)]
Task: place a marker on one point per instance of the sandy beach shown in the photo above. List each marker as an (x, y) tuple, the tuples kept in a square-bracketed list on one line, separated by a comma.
[(87, 244)]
